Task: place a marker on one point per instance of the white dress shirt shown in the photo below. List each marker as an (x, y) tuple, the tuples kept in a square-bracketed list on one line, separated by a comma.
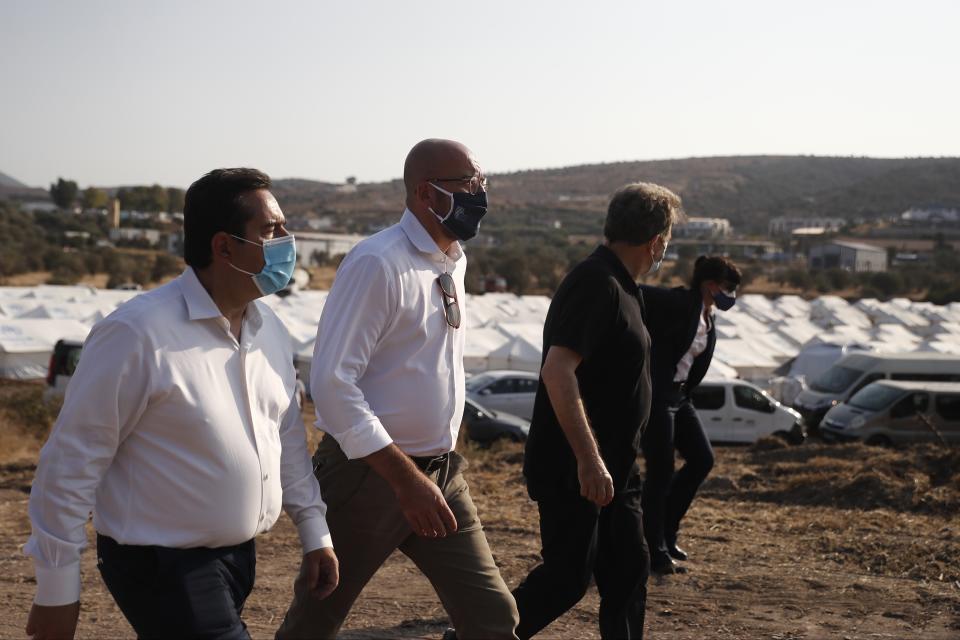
[(387, 368), (174, 434), (698, 346)]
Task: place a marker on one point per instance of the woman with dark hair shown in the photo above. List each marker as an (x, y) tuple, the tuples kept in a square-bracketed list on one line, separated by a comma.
[(683, 336)]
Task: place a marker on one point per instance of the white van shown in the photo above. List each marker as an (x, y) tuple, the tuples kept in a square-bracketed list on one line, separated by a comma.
[(887, 412), (737, 411), (856, 370)]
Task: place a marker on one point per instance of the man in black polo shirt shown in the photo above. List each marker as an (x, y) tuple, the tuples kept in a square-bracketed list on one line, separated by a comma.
[(591, 406)]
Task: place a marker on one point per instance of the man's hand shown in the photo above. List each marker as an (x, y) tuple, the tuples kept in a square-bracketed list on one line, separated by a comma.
[(319, 573), (53, 623), (596, 484), (424, 507), (420, 499)]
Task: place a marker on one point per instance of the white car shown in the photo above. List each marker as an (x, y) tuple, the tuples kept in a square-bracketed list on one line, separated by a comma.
[(737, 411), (501, 390)]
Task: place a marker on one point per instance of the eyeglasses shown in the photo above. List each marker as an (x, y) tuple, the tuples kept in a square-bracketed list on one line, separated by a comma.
[(451, 308), (476, 183)]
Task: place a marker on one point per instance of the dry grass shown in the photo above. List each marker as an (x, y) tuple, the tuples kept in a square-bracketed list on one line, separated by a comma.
[(805, 542)]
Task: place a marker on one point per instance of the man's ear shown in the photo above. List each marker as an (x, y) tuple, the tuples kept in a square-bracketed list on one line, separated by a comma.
[(220, 245)]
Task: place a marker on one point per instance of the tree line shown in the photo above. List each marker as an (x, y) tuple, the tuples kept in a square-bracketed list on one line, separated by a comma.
[(66, 194)]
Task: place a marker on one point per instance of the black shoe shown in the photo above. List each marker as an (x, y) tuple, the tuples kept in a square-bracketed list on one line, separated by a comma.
[(676, 552), (662, 564), (450, 634)]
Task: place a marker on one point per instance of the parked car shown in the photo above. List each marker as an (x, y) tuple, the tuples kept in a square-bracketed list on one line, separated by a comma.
[(63, 362), (894, 412), (855, 371), (737, 411), (502, 390), (486, 425)]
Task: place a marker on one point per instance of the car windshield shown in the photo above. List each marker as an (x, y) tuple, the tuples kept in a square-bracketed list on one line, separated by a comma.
[(875, 397), (478, 381), (836, 379)]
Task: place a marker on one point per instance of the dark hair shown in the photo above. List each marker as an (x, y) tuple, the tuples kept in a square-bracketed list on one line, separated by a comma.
[(213, 204), (640, 211), (716, 268)]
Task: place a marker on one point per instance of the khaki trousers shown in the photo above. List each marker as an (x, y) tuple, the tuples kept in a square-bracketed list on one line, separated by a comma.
[(367, 525)]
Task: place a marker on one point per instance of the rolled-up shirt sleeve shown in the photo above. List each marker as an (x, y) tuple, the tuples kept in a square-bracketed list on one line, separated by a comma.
[(106, 397), (301, 493), (360, 306)]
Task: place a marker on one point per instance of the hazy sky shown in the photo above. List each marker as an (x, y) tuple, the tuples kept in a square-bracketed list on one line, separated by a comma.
[(127, 92)]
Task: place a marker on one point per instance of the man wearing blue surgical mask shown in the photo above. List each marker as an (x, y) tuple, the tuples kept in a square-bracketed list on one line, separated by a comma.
[(181, 431), (683, 334)]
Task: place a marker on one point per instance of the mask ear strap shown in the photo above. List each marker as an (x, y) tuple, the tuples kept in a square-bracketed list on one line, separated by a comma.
[(446, 193)]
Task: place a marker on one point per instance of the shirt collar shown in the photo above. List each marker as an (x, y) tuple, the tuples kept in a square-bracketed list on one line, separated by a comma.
[(605, 254), (422, 241), (200, 306)]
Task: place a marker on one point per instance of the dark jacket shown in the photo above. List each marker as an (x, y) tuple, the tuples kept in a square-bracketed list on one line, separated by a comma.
[(672, 316)]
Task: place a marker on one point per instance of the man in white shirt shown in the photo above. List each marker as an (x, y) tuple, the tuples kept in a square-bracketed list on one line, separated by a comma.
[(181, 432), (388, 383)]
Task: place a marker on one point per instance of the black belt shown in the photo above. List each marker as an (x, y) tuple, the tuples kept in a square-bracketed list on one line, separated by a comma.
[(428, 464)]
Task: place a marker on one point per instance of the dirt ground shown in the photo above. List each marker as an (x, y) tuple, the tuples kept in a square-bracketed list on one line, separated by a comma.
[(814, 541)]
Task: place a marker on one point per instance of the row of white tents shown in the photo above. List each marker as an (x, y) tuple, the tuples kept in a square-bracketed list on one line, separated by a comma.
[(761, 337)]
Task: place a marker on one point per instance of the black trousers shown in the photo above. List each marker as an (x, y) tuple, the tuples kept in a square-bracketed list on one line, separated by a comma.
[(667, 495), (582, 541), (179, 593)]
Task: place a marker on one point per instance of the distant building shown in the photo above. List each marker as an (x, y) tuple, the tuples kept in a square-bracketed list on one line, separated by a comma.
[(329, 244), (784, 226), (322, 223), (703, 228), (933, 216), (737, 249), (132, 234), (851, 256)]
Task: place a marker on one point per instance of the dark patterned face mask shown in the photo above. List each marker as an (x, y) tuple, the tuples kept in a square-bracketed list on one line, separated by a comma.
[(466, 210)]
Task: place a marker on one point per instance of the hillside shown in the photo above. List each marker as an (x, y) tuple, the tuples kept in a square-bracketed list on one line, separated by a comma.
[(8, 181), (13, 189), (746, 189)]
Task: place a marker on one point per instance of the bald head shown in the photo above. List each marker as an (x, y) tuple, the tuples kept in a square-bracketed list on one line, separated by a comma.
[(436, 158)]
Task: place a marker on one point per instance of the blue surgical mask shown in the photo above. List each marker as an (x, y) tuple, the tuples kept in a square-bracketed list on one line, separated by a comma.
[(279, 261), (658, 262), (466, 210), (724, 300)]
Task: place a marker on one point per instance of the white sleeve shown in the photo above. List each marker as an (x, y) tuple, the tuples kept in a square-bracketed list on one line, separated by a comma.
[(359, 308), (106, 397), (301, 493)]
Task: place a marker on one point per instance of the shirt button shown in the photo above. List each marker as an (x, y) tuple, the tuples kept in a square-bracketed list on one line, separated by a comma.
[(261, 517), (266, 477)]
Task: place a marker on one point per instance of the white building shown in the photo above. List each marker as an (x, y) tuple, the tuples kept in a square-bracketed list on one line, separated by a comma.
[(703, 228), (851, 256), (784, 226), (128, 234), (331, 244)]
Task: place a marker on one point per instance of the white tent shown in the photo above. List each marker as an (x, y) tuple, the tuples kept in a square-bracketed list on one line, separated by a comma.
[(26, 344), (480, 343)]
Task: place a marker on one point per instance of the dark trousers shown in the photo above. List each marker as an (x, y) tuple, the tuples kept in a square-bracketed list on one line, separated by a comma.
[(667, 495), (581, 541), (179, 593)]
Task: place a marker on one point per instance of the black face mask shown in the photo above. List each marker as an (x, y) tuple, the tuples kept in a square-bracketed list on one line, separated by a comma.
[(466, 210), (723, 300)]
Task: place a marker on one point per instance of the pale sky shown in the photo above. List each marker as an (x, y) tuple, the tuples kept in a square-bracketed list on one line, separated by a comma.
[(133, 92)]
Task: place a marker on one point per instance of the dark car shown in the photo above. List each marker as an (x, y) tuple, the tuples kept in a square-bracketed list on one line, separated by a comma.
[(486, 425), (63, 360)]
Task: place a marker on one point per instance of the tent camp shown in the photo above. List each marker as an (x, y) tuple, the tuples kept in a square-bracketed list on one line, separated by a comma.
[(26, 344)]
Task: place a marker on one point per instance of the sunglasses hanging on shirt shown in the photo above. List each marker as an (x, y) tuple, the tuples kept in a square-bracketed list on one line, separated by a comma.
[(451, 306)]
